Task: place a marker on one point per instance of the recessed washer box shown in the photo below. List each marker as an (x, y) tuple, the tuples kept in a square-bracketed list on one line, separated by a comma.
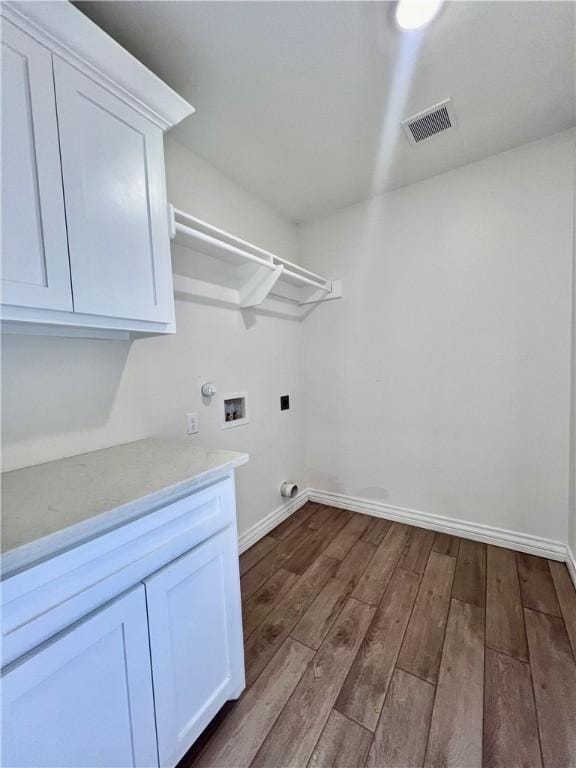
[(234, 409)]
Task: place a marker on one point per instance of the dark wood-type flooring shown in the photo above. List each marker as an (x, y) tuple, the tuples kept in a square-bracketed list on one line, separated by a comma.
[(371, 643)]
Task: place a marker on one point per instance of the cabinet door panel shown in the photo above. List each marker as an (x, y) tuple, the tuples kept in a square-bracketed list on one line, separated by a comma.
[(35, 268), (114, 187), (196, 641), (85, 698)]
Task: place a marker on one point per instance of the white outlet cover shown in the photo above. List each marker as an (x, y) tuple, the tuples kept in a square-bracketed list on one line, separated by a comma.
[(192, 423)]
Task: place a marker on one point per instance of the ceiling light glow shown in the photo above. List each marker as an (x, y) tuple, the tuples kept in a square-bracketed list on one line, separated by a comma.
[(413, 14)]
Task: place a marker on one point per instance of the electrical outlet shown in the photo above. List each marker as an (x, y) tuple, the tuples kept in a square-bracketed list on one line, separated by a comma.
[(192, 423)]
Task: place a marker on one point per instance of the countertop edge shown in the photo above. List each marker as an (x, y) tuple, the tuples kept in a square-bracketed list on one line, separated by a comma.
[(27, 555)]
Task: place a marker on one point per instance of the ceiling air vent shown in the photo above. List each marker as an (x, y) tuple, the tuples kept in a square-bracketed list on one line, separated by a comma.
[(431, 121)]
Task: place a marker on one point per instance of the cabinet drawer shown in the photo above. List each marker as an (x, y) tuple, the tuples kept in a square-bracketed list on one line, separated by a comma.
[(84, 699), (47, 597)]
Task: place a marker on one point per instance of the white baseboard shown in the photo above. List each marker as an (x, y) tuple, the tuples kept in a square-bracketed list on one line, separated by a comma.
[(523, 542), (262, 527), (571, 564)]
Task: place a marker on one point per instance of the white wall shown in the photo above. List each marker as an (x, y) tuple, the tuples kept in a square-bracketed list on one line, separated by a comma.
[(65, 396), (441, 382)]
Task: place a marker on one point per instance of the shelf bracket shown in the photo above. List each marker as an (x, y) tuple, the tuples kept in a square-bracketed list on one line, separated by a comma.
[(257, 288), (319, 296)]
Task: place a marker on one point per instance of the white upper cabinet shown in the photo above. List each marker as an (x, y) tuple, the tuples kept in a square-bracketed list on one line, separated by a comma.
[(85, 245), (114, 186), (35, 269)]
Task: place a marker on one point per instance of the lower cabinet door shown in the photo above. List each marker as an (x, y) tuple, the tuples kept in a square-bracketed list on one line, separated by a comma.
[(195, 624), (85, 697)]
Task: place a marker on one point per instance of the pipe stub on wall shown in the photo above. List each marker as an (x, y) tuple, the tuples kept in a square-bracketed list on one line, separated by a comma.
[(289, 490)]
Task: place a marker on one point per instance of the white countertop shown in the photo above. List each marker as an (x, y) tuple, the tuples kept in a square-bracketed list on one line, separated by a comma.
[(50, 507)]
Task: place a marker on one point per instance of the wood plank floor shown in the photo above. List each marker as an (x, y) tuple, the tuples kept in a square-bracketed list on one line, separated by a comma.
[(371, 643)]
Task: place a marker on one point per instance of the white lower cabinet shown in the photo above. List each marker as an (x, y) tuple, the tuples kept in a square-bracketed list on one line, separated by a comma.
[(195, 626), (135, 682), (84, 699)]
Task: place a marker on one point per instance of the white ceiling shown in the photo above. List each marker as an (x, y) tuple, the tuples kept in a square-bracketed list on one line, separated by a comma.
[(300, 102)]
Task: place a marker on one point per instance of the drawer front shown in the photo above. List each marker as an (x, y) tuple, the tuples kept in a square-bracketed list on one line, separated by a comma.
[(47, 597)]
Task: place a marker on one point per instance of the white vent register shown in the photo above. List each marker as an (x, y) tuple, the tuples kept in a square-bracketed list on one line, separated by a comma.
[(430, 122)]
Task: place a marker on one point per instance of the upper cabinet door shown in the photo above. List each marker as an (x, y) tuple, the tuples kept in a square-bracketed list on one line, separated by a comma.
[(114, 188), (35, 268)]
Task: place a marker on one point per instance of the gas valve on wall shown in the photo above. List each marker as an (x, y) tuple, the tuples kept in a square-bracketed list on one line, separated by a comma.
[(208, 389)]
